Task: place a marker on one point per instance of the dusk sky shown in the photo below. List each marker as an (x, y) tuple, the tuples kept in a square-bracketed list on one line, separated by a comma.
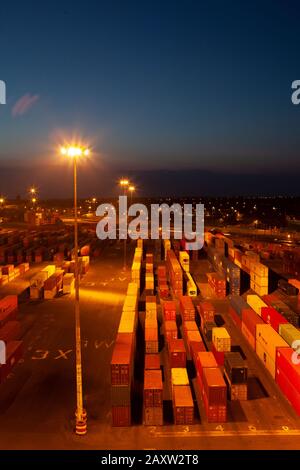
[(203, 86)]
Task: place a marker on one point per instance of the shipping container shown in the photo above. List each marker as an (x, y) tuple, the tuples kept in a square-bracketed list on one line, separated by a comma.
[(179, 376), (177, 353), (169, 310), (121, 415), (170, 329), (8, 309), (206, 311), (214, 386), (221, 339), (183, 406), (235, 367), (153, 416), (152, 361), (204, 360), (286, 363), (120, 395), (251, 319), (255, 303), (195, 348), (153, 388), (272, 317), (289, 333), (122, 360)]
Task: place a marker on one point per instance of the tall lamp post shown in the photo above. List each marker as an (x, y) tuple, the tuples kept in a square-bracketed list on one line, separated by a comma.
[(124, 183), (75, 152)]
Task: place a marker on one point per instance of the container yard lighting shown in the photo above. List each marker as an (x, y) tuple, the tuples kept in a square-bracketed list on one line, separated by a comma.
[(76, 152), (124, 183)]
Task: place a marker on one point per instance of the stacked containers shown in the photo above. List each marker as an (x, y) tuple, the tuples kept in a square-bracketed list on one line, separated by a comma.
[(176, 353), (187, 309), (136, 266), (153, 398), (204, 359), (167, 248), (206, 311), (121, 379), (221, 343), (288, 375), (183, 407), (233, 276), (175, 273), (151, 326), (163, 288), (170, 329), (267, 342), (214, 395), (149, 286), (259, 278), (236, 374), (218, 284), (169, 310)]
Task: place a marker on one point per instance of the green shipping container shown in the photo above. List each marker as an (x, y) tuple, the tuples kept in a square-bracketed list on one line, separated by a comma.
[(289, 333)]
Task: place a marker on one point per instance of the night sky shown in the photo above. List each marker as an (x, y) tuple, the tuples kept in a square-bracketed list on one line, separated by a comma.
[(183, 96)]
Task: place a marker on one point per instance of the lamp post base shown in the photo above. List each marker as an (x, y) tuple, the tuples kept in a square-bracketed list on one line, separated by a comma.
[(81, 423)]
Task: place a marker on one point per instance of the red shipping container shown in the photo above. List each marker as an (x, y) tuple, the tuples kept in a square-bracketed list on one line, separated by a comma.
[(219, 355), (177, 353), (192, 336), (163, 290), (152, 361), (153, 388), (195, 348), (204, 360), (121, 415), (169, 310), (122, 363), (14, 352), (214, 386), (170, 330), (249, 337), (215, 413), (162, 272), (272, 317), (289, 390), (251, 319), (11, 331), (206, 311), (285, 364)]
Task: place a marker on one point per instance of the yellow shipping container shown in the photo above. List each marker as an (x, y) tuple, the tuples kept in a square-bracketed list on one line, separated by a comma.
[(266, 359), (258, 289), (50, 269), (127, 322), (130, 303), (261, 281), (132, 289), (221, 339), (259, 269), (269, 340), (140, 243), (179, 376), (256, 303)]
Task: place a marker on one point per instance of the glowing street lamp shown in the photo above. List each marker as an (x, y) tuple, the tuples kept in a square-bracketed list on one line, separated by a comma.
[(75, 152), (2, 200), (32, 190)]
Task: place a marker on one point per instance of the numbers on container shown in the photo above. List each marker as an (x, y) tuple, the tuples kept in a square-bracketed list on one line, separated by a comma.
[(285, 428), (186, 429), (252, 428)]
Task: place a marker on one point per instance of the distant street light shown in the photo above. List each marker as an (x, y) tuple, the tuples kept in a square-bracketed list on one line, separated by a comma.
[(124, 183), (131, 189), (76, 152)]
